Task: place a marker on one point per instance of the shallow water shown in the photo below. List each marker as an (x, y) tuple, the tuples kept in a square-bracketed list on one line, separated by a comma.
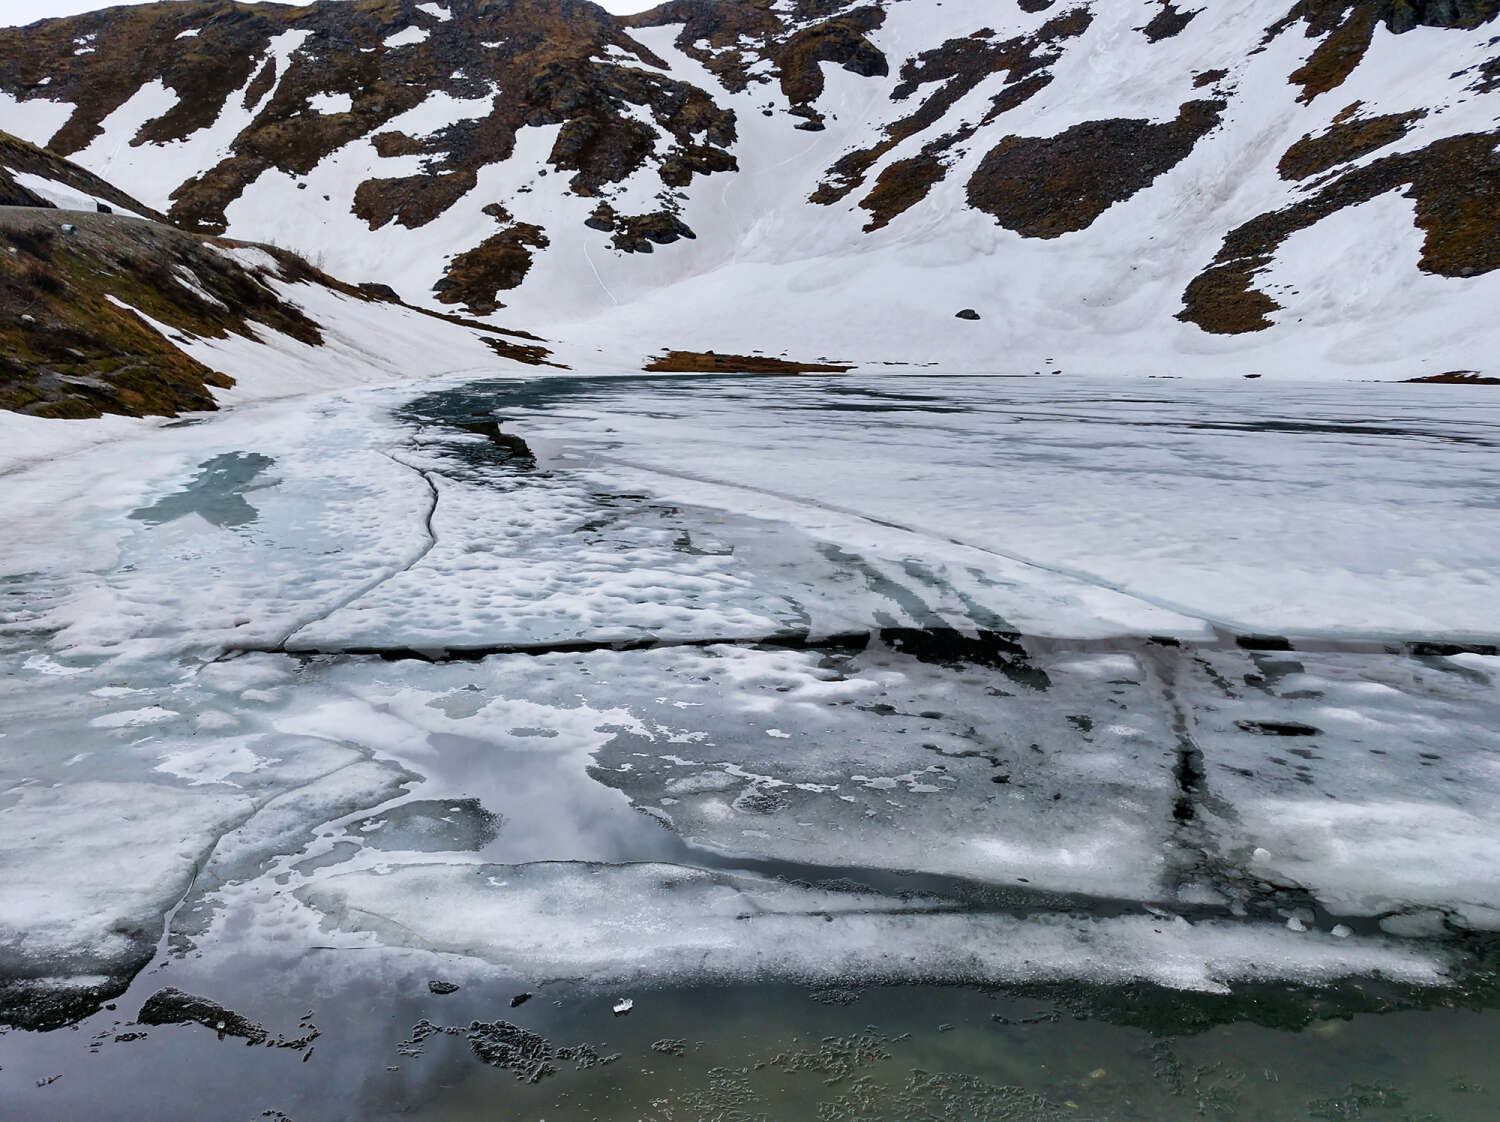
[(750, 1052)]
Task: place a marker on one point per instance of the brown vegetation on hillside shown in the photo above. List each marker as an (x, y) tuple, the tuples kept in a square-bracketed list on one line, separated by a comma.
[(1455, 183), (951, 71), (1348, 138), (17, 155), (1044, 187), (70, 343), (1348, 26), (710, 362)]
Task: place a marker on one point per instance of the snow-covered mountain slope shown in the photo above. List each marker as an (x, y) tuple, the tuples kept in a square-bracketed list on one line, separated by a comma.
[(1293, 189), (103, 310)]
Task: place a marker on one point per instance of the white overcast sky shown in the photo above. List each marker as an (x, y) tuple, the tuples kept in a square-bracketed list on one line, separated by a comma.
[(13, 12)]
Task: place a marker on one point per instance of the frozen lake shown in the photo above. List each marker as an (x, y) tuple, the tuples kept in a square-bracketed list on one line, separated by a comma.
[(901, 748)]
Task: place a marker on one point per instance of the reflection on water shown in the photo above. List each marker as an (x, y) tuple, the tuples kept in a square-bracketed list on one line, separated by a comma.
[(778, 1053)]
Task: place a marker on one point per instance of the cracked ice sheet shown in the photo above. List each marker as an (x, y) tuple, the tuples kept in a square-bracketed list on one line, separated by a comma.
[(654, 922), (877, 761), (1371, 782), (233, 531), (525, 557), (873, 760), (107, 819), (882, 761), (1264, 508), (532, 559)]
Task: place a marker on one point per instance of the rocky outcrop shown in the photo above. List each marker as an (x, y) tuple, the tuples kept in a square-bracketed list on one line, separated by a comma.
[(640, 233), (1348, 138), (1168, 22), (1347, 26), (743, 43), (70, 343), (17, 155), (499, 263), (947, 73), (709, 362), (1044, 187), (1455, 183)]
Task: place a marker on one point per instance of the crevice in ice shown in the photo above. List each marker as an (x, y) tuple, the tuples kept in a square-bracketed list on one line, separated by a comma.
[(164, 944), (1010, 652), (945, 646), (282, 645)]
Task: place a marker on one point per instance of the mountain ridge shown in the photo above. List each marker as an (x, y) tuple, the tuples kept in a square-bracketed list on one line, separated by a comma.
[(1117, 187)]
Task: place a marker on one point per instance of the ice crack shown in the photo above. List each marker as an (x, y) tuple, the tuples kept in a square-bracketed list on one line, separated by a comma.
[(281, 645)]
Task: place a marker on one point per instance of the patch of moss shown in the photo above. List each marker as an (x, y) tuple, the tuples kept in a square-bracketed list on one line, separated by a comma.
[(951, 71), (838, 40), (901, 186), (476, 278), (412, 200), (1348, 25)]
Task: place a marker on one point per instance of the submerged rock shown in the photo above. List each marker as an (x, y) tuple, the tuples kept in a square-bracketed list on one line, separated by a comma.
[(502, 1044), (173, 1007)]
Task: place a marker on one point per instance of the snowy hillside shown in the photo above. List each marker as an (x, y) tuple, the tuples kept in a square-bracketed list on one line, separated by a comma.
[(1289, 189), (104, 309)]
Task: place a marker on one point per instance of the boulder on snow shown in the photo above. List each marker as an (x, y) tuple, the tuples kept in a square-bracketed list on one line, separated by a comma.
[(966, 313)]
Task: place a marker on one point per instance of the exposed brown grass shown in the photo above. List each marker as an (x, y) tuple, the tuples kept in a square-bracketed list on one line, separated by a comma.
[(476, 278), (1347, 26), (1458, 378), (711, 362), (71, 351), (19, 155), (552, 62), (1044, 187), (946, 74), (1343, 142)]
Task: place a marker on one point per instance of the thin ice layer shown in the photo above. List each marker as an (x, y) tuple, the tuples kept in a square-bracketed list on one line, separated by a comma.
[(235, 533), (128, 789), (1039, 772), (84, 868)]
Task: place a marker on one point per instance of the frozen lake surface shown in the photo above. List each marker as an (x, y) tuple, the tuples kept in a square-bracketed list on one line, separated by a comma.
[(901, 748)]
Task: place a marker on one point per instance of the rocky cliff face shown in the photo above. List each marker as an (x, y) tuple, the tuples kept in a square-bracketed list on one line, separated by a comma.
[(1112, 183)]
